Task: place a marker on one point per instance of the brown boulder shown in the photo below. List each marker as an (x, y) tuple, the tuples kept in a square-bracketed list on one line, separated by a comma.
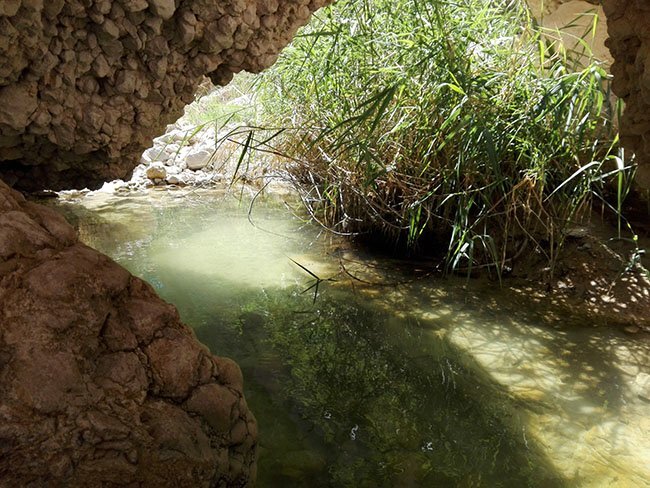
[(100, 382)]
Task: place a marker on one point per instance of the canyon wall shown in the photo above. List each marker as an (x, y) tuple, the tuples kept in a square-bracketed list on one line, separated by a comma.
[(628, 24), (621, 40), (579, 24), (86, 84)]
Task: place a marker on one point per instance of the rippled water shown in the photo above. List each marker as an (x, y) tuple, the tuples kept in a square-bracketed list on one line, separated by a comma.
[(390, 381)]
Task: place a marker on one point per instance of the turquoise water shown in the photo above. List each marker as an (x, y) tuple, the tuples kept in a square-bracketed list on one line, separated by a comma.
[(401, 382)]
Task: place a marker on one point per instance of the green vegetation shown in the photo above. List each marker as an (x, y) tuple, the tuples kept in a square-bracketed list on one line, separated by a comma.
[(444, 127), (231, 104)]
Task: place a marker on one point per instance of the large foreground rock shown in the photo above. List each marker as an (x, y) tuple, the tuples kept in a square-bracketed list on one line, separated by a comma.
[(100, 382), (86, 84)]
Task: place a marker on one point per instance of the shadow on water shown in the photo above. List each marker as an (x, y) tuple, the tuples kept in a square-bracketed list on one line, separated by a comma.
[(348, 396), (572, 377)]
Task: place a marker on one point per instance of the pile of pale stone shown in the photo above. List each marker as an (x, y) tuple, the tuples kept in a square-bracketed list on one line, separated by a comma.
[(182, 156), (185, 156)]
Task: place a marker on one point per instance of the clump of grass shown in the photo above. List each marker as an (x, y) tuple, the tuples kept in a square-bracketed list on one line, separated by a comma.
[(452, 125)]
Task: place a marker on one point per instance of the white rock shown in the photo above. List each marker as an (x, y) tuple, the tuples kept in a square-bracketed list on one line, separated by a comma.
[(179, 162), (177, 135), (144, 159), (198, 160), (161, 140), (176, 180), (139, 172), (173, 170), (188, 178), (151, 155), (175, 157), (170, 154), (111, 186), (170, 149)]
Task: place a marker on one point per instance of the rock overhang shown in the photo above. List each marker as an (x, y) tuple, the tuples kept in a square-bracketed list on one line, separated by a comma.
[(86, 84)]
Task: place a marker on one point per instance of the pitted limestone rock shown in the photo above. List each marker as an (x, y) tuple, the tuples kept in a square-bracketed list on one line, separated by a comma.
[(86, 84), (629, 43), (100, 382)]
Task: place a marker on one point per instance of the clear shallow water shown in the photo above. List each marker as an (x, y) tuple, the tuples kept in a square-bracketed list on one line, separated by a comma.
[(427, 383)]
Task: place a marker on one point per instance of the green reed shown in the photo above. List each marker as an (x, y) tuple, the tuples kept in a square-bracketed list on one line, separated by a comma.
[(458, 127)]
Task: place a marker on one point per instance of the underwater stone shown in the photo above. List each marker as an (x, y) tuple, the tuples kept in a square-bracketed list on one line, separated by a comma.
[(642, 385)]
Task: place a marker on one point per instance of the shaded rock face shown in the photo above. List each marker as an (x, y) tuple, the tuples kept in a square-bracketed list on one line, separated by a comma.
[(100, 382), (86, 84), (628, 25)]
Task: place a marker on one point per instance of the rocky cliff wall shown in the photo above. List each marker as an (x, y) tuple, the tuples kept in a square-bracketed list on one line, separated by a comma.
[(628, 24), (86, 84), (544, 8), (100, 382)]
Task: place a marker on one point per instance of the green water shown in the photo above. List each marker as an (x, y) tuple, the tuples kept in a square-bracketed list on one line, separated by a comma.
[(404, 383)]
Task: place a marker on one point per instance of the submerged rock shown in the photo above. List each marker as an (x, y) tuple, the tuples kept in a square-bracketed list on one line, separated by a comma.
[(642, 386), (100, 382)]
